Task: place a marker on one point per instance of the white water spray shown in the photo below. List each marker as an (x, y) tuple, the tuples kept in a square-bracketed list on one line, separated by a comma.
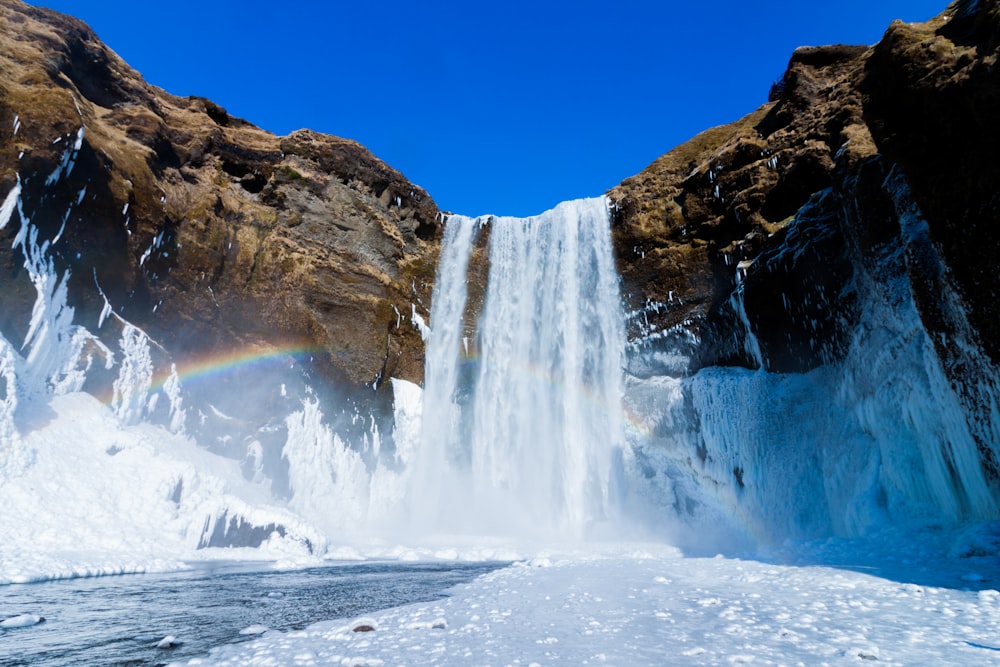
[(521, 428)]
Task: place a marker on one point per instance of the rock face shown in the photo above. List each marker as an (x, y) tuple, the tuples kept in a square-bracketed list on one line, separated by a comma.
[(208, 233), (765, 219), (804, 235), (702, 216)]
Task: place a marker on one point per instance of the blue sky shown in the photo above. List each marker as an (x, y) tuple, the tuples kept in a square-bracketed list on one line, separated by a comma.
[(500, 107)]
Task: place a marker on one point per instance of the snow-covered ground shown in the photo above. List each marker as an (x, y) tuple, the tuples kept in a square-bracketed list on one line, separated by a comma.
[(650, 605)]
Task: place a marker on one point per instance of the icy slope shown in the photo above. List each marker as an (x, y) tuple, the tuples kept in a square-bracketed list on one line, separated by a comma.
[(102, 498)]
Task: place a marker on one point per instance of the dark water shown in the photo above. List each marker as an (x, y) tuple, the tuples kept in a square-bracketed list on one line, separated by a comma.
[(119, 620)]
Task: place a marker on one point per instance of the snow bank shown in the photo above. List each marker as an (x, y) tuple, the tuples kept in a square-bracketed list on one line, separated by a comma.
[(101, 497), (655, 607)]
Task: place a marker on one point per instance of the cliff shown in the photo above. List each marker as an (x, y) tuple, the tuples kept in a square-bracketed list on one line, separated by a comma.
[(208, 233), (846, 227), (722, 206)]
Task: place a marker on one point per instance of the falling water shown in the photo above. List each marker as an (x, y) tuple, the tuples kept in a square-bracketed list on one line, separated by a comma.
[(522, 419)]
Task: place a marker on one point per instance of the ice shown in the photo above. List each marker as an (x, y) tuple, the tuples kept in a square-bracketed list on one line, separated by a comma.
[(62, 227), (21, 621), (254, 630), (750, 343), (419, 322), (10, 203), (57, 358), (323, 471), (65, 166), (135, 376), (172, 389)]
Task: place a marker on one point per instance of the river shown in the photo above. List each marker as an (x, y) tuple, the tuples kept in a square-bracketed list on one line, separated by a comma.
[(120, 620)]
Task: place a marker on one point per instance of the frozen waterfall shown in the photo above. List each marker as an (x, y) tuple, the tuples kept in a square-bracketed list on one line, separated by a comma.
[(522, 415)]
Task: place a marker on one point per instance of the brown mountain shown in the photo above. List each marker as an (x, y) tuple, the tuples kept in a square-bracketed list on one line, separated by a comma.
[(207, 232), (852, 218)]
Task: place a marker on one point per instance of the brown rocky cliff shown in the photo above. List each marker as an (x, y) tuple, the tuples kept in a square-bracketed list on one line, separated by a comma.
[(685, 224), (207, 232), (719, 209)]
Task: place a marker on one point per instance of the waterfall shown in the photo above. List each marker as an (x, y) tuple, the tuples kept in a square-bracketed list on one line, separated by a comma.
[(522, 415)]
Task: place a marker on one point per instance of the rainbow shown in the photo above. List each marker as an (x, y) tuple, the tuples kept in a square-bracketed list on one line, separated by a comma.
[(203, 368), (198, 369), (290, 355)]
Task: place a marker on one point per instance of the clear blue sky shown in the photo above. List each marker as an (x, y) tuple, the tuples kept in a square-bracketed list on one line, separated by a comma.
[(501, 107)]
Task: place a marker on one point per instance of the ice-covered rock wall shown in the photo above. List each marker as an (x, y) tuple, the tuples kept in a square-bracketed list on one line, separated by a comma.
[(813, 294), (898, 426), (91, 487)]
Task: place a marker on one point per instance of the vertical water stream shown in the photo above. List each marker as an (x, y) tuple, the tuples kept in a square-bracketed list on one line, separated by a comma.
[(522, 408)]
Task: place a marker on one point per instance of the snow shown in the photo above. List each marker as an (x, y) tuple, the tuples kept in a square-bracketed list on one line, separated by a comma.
[(644, 604), (108, 506), (65, 166), (419, 323), (10, 204), (135, 376), (21, 621)]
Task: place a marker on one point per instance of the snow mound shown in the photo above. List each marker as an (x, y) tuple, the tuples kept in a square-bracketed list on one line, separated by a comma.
[(21, 621)]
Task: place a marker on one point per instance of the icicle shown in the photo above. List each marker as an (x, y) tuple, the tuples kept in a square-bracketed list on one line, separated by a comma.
[(10, 203), (172, 388), (419, 323), (55, 361), (135, 376), (751, 345)]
